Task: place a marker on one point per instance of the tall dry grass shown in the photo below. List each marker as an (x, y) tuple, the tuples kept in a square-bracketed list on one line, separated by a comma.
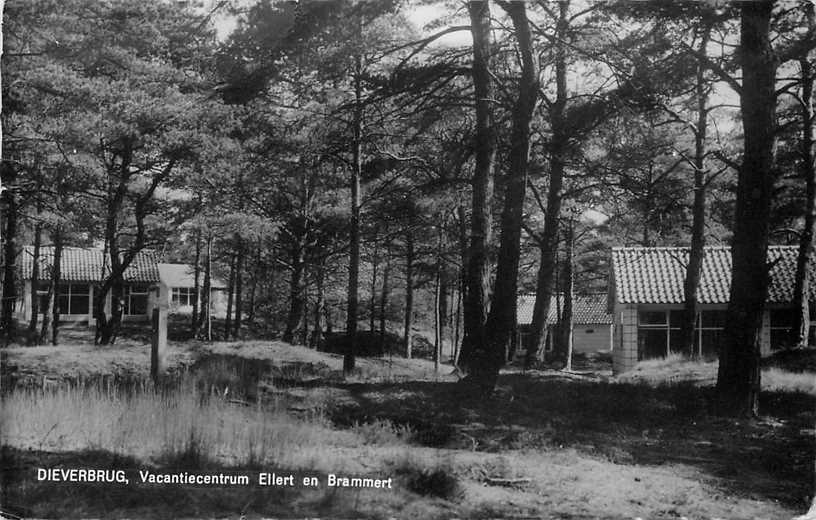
[(190, 425)]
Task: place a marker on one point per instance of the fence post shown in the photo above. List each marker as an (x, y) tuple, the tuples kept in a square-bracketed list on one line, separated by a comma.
[(158, 335)]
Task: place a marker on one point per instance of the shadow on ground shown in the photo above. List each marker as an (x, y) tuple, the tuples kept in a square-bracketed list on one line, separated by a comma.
[(632, 424)]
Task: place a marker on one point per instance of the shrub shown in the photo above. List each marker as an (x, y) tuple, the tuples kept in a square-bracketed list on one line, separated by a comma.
[(436, 481)]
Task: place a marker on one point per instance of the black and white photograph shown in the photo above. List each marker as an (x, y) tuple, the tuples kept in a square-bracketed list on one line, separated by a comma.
[(408, 259)]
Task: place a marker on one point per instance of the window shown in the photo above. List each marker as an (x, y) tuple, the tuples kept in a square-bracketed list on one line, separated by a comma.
[(136, 299), (183, 295), (653, 334), (73, 298), (659, 333), (781, 323)]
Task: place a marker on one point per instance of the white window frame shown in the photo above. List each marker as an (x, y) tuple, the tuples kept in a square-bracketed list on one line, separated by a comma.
[(129, 293), (74, 295)]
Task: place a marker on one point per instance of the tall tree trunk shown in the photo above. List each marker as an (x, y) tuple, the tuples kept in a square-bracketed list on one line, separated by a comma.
[(738, 376), (477, 357), (304, 330), (372, 302), (35, 281), (350, 356), (801, 323), (559, 144), (384, 297), (409, 293), (695, 262), (501, 322), (195, 325), (206, 293), (294, 319), (56, 275), (319, 306), (240, 262), (9, 254), (50, 298), (437, 305), (463, 248), (569, 290), (253, 290), (230, 296)]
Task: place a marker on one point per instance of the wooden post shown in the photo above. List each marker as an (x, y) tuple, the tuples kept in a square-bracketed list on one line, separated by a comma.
[(159, 335)]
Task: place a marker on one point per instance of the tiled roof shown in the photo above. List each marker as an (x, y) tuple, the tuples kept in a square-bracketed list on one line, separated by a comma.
[(183, 275), (656, 274), (590, 308), (79, 264)]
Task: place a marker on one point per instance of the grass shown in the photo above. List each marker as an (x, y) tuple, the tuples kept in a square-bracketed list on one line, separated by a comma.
[(645, 447), (676, 368), (158, 427)]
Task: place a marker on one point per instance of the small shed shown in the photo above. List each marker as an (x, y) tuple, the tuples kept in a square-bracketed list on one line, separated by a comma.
[(591, 325)]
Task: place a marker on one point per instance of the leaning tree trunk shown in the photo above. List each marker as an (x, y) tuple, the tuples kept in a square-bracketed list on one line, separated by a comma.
[(695, 262), (35, 282), (349, 358), (477, 357), (501, 322), (738, 376), (559, 143), (801, 323)]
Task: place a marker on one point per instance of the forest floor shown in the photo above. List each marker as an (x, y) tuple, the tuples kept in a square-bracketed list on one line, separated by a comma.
[(546, 445)]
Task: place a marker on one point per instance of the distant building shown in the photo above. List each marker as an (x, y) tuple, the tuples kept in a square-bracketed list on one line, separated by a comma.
[(592, 322), (180, 282), (82, 271), (646, 297)]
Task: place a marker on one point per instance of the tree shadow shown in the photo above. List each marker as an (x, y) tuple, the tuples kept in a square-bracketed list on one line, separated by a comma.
[(633, 424)]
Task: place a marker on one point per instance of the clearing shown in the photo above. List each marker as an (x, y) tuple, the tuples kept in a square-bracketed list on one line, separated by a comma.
[(547, 445)]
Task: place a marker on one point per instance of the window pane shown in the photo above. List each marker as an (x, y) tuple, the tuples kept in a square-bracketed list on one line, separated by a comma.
[(79, 303), (781, 337), (62, 303), (675, 319), (711, 343), (652, 317), (79, 288), (676, 342), (176, 296), (782, 318), (63, 289), (713, 319), (138, 304), (651, 343)]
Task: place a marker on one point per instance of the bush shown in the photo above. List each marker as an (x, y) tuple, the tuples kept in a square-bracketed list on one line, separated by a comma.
[(437, 481)]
